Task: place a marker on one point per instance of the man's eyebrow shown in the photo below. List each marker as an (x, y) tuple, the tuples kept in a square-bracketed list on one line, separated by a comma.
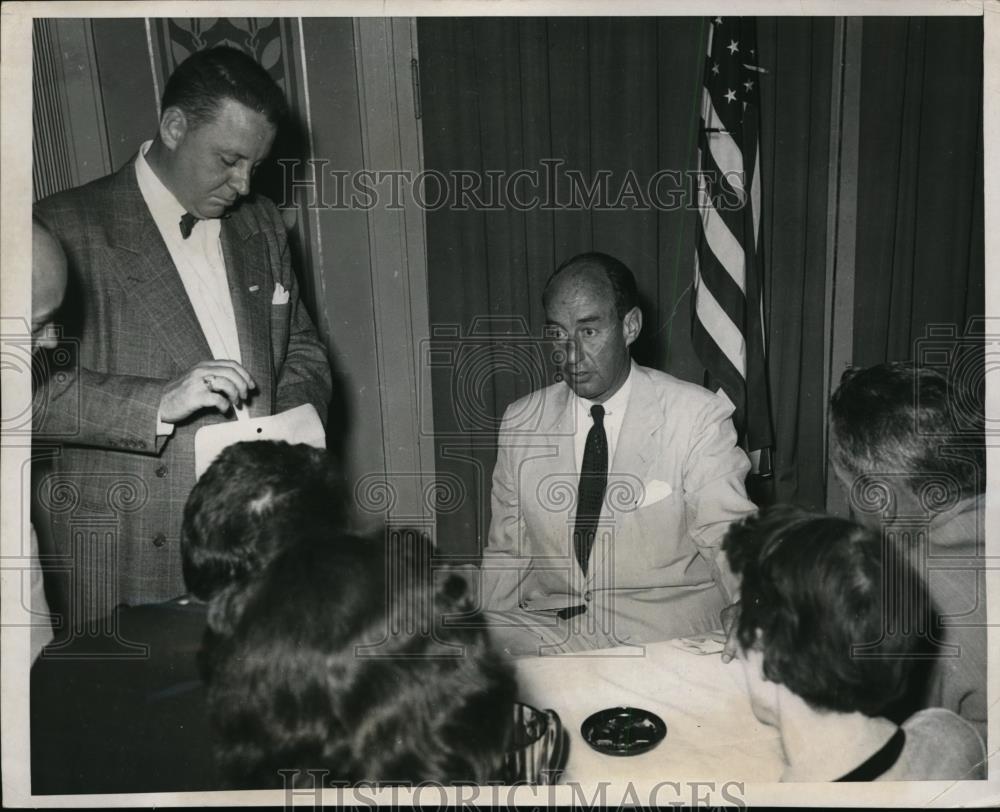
[(589, 319)]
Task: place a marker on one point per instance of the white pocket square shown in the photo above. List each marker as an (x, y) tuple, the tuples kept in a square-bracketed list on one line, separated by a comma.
[(655, 491), (280, 295)]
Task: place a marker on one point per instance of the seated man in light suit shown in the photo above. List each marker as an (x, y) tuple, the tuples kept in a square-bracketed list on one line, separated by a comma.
[(612, 489)]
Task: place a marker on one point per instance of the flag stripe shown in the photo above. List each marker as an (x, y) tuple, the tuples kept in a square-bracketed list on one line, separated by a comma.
[(727, 325), (755, 204), (724, 245), (727, 201), (727, 336), (723, 287), (724, 373), (725, 151)]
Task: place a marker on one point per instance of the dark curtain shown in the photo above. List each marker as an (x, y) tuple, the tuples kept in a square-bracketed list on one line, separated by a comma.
[(795, 158), (920, 186)]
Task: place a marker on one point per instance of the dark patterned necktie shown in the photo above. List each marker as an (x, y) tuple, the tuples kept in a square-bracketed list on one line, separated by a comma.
[(593, 481), (187, 223)]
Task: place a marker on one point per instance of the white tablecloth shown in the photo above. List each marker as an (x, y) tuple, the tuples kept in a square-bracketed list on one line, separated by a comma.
[(711, 730)]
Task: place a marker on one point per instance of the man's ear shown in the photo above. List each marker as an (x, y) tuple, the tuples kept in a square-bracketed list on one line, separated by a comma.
[(173, 127), (632, 325)]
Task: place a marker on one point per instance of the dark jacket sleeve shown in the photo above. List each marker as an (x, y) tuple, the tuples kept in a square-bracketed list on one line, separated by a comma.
[(302, 368)]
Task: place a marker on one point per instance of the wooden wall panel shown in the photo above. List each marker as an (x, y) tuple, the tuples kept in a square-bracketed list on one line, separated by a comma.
[(52, 168), (341, 250), (131, 103), (71, 142)]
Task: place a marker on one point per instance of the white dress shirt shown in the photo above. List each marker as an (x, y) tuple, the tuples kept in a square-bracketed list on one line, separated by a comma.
[(199, 261), (614, 414)]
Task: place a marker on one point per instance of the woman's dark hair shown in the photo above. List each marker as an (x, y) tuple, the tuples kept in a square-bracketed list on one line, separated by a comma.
[(834, 611), (243, 509), (340, 661), (207, 78)]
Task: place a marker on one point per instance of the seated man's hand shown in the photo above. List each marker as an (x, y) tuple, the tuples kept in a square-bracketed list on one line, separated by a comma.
[(729, 616), (209, 385)]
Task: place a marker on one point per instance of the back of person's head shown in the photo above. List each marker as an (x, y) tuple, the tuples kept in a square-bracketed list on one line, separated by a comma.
[(245, 506), (48, 283), (834, 611), (341, 662), (207, 78), (907, 423), (615, 272)]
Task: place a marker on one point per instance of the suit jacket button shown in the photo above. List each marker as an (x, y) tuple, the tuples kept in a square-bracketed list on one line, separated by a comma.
[(587, 596), (161, 471), (159, 540)]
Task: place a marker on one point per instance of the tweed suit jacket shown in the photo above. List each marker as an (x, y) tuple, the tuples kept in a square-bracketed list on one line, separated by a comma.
[(675, 484), (113, 500)]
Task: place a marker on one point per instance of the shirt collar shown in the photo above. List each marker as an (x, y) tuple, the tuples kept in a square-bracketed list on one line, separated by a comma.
[(165, 208), (615, 405)]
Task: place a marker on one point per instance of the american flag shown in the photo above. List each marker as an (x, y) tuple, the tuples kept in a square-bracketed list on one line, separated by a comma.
[(727, 328)]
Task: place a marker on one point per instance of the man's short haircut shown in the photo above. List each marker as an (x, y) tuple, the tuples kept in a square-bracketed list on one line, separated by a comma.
[(621, 279), (207, 78), (815, 589), (899, 419), (241, 509), (341, 662)]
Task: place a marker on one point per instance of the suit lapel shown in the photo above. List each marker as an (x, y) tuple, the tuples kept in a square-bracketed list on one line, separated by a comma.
[(643, 418), (250, 291), (629, 469), (556, 472), (143, 264)]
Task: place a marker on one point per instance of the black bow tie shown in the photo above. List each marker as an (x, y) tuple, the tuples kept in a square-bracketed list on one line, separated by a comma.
[(187, 223)]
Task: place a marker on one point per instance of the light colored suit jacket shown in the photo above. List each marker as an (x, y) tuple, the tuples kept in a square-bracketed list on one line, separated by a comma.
[(113, 499), (955, 570), (675, 484)]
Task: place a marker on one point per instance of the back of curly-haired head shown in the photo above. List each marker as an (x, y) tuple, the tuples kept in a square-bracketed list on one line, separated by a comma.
[(244, 507), (907, 422), (340, 662), (812, 599)]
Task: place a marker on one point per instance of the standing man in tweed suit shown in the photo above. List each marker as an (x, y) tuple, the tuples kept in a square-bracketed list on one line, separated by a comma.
[(188, 310)]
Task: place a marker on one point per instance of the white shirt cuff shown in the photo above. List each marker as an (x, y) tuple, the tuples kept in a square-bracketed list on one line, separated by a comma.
[(163, 429)]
